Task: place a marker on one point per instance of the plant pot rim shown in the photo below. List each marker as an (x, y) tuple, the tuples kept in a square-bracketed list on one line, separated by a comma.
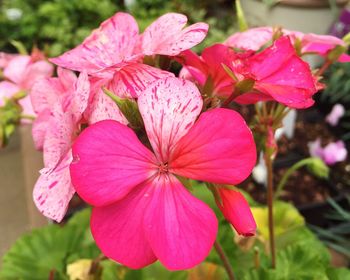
[(310, 3)]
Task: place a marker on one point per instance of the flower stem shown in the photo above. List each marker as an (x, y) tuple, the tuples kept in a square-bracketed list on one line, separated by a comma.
[(323, 68), (225, 260), (269, 162), (289, 172)]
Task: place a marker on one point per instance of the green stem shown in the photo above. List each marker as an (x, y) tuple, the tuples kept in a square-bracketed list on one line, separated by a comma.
[(225, 260), (234, 94), (269, 165), (28, 117), (288, 173)]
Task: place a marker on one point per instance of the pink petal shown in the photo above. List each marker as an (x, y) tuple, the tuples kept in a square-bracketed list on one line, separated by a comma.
[(219, 148), (134, 78), (337, 113), (315, 148), (66, 77), (118, 229), (322, 39), (111, 43), (5, 59), (237, 211), (59, 136), (334, 152), (109, 161), (252, 39), (40, 126), (16, 68), (53, 191), (166, 35), (27, 108), (100, 106), (80, 96), (180, 228), (46, 93), (169, 108), (34, 72), (7, 90)]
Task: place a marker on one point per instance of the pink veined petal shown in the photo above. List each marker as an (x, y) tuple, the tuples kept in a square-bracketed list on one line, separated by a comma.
[(7, 90), (180, 229), (166, 35), (16, 68), (118, 229), (169, 107), (101, 107), (53, 191), (252, 39), (134, 78), (219, 148), (40, 126), (67, 78), (34, 72), (113, 42), (59, 136), (45, 94), (109, 161), (237, 211), (80, 96), (194, 65)]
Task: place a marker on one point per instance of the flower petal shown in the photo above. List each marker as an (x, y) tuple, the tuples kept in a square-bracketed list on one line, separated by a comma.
[(219, 148), (53, 191), (16, 68), (180, 228), (109, 161), (7, 90), (166, 37), (118, 229), (236, 210), (134, 78), (110, 44), (169, 108)]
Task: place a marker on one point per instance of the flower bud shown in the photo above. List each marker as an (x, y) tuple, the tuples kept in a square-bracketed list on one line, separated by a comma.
[(236, 210)]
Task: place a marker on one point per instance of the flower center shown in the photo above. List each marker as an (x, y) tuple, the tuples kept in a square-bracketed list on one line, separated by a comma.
[(163, 168)]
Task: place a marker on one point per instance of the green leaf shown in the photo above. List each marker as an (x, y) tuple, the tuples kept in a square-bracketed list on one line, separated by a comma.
[(286, 218)]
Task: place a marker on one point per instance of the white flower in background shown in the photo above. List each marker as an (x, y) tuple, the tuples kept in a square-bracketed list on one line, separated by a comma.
[(260, 172), (13, 13), (335, 115), (288, 125), (129, 3), (334, 152)]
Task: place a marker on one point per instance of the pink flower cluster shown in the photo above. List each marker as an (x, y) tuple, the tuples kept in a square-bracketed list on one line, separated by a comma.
[(143, 210)]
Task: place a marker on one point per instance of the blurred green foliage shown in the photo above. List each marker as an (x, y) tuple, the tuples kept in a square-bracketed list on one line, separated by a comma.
[(59, 25)]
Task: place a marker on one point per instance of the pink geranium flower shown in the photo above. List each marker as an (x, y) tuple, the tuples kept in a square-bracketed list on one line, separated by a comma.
[(276, 73), (255, 38), (20, 73), (114, 52), (337, 112), (142, 212), (62, 105)]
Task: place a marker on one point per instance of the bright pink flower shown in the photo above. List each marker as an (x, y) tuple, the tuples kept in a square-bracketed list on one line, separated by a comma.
[(114, 52), (332, 153), (237, 211), (278, 74), (21, 72), (209, 64), (141, 211), (255, 38)]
